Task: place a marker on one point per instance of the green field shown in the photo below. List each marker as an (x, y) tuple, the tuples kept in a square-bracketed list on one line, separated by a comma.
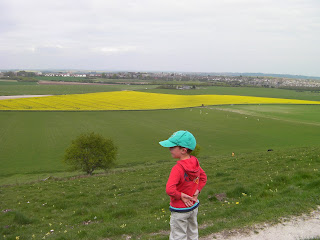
[(25, 88), (246, 91), (130, 199), (36, 141)]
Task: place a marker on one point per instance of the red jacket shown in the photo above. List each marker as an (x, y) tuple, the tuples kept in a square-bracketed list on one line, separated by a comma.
[(186, 176)]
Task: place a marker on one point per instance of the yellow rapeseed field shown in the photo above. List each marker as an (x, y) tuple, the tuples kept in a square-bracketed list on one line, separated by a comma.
[(131, 100)]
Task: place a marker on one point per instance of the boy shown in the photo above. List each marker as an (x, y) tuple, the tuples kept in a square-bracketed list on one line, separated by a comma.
[(184, 184)]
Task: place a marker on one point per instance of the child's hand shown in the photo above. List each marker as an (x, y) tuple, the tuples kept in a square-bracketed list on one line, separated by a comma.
[(195, 196), (188, 200)]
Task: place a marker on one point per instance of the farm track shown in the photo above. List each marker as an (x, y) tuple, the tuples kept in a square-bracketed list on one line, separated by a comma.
[(263, 116), (22, 96)]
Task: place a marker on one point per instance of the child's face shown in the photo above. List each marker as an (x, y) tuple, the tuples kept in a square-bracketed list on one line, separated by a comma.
[(177, 152)]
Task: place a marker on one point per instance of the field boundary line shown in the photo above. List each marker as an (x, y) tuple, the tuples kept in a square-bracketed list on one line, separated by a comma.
[(242, 112)]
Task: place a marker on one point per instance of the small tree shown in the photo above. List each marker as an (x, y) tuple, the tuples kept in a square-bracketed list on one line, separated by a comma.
[(89, 152), (196, 151)]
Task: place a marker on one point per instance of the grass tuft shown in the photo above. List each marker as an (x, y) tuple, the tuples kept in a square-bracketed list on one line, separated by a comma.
[(124, 213), (20, 219), (314, 185), (238, 192)]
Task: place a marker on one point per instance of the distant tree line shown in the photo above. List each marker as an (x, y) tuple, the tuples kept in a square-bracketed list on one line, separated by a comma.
[(11, 74), (171, 80), (20, 76)]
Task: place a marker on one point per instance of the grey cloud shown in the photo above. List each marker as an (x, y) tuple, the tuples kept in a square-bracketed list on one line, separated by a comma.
[(229, 35)]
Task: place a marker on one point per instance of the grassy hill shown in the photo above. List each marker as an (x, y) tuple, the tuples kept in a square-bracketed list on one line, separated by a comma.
[(130, 200), (33, 143), (261, 186)]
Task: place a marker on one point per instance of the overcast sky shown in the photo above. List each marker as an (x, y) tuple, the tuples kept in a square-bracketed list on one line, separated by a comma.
[(268, 36)]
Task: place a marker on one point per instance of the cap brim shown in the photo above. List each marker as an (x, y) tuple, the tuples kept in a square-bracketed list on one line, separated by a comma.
[(167, 143)]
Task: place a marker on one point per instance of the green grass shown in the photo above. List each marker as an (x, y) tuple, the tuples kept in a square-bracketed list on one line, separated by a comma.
[(245, 91), (26, 88), (288, 113), (131, 199), (261, 186), (33, 143)]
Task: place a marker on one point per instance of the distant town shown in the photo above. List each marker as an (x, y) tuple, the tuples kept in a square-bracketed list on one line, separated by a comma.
[(170, 78)]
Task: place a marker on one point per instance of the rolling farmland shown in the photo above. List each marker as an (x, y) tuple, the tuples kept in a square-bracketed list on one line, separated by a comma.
[(131, 100), (260, 185)]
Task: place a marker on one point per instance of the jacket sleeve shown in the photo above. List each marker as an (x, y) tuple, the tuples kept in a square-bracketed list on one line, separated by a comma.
[(174, 179), (202, 180)]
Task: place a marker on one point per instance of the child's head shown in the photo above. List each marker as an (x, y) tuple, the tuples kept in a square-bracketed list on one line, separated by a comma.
[(180, 152), (181, 144), (182, 139)]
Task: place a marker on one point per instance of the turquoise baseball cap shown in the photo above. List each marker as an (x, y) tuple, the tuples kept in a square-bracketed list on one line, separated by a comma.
[(180, 138)]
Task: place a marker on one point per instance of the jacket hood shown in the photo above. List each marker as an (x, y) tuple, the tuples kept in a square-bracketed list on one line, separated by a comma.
[(191, 166)]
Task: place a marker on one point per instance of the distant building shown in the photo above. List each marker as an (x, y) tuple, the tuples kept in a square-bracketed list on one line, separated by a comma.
[(184, 87)]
